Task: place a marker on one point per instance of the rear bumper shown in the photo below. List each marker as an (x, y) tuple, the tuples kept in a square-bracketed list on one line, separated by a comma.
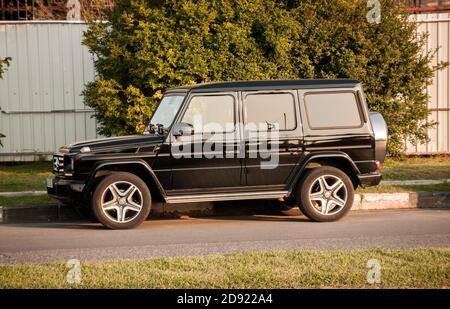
[(372, 179), (65, 189)]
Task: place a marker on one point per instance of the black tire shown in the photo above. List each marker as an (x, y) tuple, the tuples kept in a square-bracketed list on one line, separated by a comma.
[(118, 215), (311, 184)]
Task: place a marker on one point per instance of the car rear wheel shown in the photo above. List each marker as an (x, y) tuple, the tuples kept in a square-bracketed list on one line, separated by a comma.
[(326, 194), (121, 201)]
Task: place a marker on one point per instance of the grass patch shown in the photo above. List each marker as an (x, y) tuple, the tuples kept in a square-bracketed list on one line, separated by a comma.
[(26, 200), (400, 268), (24, 176), (432, 167)]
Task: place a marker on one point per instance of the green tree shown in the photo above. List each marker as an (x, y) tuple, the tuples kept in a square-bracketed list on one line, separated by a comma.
[(148, 46), (4, 63)]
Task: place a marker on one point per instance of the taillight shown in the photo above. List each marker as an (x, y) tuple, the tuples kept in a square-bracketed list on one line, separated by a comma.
[(377, 165)]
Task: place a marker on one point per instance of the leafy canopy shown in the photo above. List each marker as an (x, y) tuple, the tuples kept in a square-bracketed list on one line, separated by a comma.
[(148, 46)]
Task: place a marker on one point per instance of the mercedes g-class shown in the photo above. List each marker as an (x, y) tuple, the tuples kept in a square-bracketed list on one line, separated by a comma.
[(308, 143)]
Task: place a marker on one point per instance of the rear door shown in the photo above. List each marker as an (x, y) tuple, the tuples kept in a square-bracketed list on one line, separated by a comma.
[(273, 138)]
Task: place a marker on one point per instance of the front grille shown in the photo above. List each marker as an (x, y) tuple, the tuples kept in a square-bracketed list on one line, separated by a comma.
[(58, 163)]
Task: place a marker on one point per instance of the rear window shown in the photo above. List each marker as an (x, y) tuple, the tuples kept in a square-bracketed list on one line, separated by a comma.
[(332, 110)]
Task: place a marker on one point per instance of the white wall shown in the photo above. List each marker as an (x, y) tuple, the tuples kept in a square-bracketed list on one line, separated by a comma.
[(42, 108)]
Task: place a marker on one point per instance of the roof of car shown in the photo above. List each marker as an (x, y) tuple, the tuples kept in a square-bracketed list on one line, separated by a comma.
[(268, 85)]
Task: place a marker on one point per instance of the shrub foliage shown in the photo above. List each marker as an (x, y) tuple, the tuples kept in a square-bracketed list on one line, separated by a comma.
[(148, 46)]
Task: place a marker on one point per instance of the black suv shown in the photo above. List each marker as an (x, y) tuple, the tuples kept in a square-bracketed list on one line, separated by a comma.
[(306, 143)]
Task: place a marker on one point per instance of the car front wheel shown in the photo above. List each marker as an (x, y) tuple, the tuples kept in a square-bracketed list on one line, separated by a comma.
[(326, 194), (121, 201)]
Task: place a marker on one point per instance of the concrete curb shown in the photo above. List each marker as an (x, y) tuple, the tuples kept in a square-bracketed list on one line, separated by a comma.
[(37, 213), (373, 201), (365, 201), (22, 193)]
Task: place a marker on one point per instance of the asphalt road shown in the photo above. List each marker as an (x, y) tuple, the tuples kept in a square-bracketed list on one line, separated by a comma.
[(44, 242)]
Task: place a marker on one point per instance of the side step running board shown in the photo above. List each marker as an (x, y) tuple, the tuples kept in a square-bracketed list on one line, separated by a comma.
[(225, 197)]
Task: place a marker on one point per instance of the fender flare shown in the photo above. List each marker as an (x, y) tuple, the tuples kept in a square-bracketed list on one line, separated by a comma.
[(310, 157), (144, 164)]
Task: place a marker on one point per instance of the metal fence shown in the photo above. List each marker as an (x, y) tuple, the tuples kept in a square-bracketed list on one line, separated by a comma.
[(40, 99), (438, 28), (40, 95)]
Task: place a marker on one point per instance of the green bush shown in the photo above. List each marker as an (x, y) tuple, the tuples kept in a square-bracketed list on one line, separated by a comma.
[(148, 46)]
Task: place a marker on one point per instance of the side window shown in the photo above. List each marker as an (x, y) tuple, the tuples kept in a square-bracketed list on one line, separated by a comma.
[(268, 109), (332, 110), (213, 113)]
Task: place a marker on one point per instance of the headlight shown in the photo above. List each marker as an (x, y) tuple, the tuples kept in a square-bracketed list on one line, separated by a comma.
[(85, 149)]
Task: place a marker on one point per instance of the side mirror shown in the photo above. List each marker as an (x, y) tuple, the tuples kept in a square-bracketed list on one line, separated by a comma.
[(182, 129)]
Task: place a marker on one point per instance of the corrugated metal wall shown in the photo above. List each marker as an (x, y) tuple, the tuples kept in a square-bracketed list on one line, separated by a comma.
[(40, 93), (438, 27)]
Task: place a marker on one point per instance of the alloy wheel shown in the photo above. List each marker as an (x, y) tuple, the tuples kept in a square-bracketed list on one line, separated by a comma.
[(328, 194), (122, 201)]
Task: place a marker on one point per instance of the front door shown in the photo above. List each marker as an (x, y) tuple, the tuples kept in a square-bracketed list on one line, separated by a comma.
[(206, 160)]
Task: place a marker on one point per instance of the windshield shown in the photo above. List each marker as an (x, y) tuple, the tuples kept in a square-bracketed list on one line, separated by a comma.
[(166, 111)]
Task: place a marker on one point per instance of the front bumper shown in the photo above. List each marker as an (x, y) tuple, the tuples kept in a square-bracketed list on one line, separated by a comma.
[(368, 180), (64, 189)]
